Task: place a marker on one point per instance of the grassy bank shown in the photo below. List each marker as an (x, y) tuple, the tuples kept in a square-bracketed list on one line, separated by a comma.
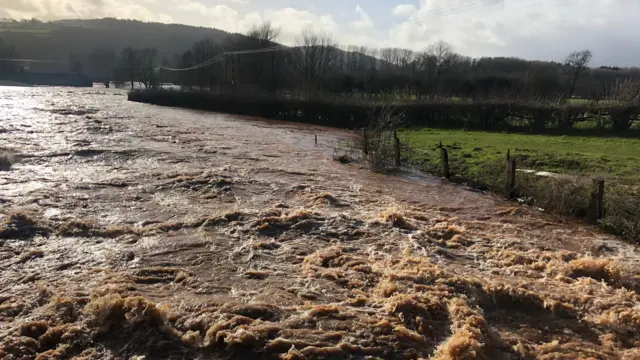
[(478, 158)]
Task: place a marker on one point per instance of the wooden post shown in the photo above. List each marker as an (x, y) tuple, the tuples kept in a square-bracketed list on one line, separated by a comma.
[(396, 147), (510, 178), (508, 154), (444, 159), (365, 142), (598, 189), (316, 139), (593, 208)]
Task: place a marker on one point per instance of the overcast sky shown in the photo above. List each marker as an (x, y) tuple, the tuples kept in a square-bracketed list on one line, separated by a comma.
[(531, 29)]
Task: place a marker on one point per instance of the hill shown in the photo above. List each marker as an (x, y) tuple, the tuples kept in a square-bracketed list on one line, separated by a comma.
[(67, 39), (95, 44)]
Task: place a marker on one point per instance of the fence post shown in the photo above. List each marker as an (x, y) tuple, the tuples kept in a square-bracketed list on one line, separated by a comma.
[(598, 185), (510, 178), (396, 147), (593, 208), (365, 142), (316, 139), (444, 159)]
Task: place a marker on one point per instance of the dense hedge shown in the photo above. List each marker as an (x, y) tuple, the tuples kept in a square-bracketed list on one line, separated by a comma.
[(488, 115)]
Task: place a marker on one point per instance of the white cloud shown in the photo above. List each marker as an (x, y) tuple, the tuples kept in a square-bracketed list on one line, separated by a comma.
[(292, 22), (364, 22), (404, 9), (66, 9), (222, 17), (542, 29)]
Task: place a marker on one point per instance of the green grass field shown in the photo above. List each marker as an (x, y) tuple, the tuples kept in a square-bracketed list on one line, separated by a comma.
[(617, 159)]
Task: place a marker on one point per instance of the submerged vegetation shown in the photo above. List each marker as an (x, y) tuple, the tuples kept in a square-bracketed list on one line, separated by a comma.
[(6, 161)]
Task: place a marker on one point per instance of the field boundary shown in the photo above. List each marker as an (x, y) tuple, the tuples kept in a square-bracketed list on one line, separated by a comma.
[(492, 114)]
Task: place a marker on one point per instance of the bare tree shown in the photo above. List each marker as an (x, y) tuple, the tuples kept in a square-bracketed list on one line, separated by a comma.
[(437, 58), (202, 51), (131, 63), (264, 65), (386, 55), (577, 63), (407, 61), (263, 34), (187, 60), (316, 53), (422, 61), (352, 58), (147, 61), (373, 59), (395, 57), (442, 55), (365, 57)]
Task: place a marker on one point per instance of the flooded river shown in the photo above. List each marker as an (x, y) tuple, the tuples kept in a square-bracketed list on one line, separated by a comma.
[(129, 231)]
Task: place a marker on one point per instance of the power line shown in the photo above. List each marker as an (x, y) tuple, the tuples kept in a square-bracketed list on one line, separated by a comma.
[(197, 66), (223, 55), (30, 60), (450, 10)]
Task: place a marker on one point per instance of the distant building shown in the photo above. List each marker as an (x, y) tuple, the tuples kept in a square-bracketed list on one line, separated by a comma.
[(54, 79), (31, 72)]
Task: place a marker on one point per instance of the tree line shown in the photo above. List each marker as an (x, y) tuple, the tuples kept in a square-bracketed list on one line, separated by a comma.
[(317, 65)]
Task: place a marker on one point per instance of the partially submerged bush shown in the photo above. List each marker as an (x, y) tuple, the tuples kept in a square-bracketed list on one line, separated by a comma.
[(621, 213), (380, 138), (6, 161), (560, 196)]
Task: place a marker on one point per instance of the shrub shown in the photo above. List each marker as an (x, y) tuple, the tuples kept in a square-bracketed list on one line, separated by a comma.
[(381, 139), (6, 161)]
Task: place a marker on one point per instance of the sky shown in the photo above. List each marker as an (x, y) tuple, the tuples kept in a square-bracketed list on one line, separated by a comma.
[(530, 29)]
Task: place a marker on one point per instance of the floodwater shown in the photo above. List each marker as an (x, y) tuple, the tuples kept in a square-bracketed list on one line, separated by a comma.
[(129, 231)]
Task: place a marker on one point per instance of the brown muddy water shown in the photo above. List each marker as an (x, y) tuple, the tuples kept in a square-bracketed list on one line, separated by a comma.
[(129, 231)]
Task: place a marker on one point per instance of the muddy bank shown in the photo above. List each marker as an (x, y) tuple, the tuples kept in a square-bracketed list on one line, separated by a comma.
[(128, 230)]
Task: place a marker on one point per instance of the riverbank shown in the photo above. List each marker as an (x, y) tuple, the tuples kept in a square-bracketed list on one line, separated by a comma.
[(571, 162), (13, 83)]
